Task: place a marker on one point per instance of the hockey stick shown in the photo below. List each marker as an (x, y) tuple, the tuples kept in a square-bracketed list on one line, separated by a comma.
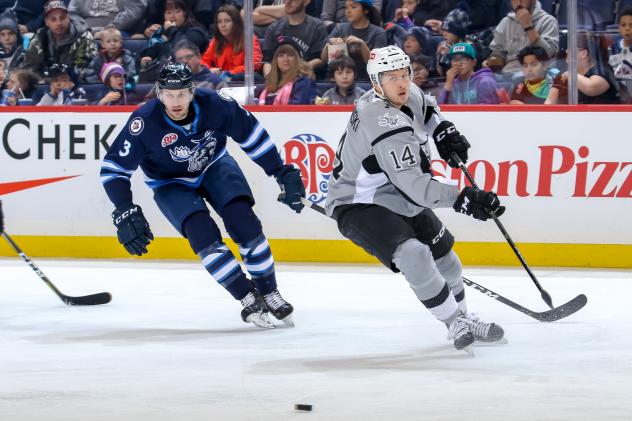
[(552, 315), (85, 300), (545, 295)]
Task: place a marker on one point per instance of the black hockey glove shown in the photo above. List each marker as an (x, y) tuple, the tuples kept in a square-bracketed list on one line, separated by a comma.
[(132, 229), (480, 204), (448, 141), (292, 188), (1, 219)]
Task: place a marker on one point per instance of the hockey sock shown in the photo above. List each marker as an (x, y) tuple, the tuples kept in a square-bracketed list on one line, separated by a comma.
[(259, 263), (450, 268), (415, 261), (221, 264)]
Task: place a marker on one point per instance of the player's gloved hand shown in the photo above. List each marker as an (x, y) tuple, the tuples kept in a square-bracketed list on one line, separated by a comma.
[(132, 229), (448, 141), (479, 204), (292, 188), (1, 219)]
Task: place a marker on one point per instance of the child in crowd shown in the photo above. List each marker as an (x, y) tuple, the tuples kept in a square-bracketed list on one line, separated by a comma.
[(112, 51), (11, 49), (620, 53), (404, 13), (454, 28), (422, 65), (20, 87), (63, 88), (415, 41), (537, 79), (113, 77), (465, 86), (343, 72)]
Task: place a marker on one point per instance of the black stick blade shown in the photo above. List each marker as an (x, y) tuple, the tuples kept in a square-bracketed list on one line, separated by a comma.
[(88, 300), (565, 310)]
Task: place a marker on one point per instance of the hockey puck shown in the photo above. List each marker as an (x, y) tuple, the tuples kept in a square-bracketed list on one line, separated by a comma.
[(302, 407)]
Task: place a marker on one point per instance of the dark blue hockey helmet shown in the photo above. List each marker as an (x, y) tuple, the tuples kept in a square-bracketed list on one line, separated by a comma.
[(175, 76)]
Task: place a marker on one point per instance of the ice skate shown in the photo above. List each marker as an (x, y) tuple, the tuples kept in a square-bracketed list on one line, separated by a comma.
[(279, 308), (485, 332), (459, 330), (255, 312)]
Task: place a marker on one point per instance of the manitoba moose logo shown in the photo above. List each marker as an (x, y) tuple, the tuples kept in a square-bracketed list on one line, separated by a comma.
[(315, 158)]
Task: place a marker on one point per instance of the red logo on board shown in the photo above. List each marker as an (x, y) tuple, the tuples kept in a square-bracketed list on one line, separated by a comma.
[(169, 139)]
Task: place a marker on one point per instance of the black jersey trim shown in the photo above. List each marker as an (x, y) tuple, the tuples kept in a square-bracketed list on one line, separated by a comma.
[(438, 299), (391, 133)]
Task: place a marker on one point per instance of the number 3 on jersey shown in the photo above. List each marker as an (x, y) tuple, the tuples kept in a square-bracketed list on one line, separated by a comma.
[(407, 158), (126, 147)]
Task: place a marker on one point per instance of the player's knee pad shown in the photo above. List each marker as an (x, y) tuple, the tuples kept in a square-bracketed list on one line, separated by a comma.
[(220, 263), (414, 260), (241, 222), (201, 231), (257, 257)]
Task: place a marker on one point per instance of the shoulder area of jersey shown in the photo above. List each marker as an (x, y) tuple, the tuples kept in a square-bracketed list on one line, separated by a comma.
[(215, 95), (141, 116)]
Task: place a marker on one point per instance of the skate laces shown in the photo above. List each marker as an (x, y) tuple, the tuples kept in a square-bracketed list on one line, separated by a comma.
[(458, 327), (274, 299), (248, 300), (477, 327)]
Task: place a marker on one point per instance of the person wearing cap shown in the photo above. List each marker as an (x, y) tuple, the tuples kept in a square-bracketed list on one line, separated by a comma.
[(465, 86), (526, 24), (306, 30), (453, 29), (124, 15), (361, 33), (64, 40), (11, 50), (62, 87), (290, 79), (112, 76)]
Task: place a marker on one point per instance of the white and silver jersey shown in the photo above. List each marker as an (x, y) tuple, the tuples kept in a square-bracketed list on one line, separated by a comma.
[(381, 155)]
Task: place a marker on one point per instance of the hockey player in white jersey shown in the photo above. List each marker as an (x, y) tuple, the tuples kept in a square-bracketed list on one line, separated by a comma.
[(381, 192)]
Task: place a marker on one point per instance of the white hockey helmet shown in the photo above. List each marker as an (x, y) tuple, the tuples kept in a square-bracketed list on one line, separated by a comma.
[(386, 59)]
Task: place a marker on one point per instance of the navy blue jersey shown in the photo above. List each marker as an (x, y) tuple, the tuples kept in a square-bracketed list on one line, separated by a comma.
[(169, 153)]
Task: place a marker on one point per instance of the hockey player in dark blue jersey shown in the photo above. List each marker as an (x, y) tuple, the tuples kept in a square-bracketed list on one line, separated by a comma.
[(179, 141)]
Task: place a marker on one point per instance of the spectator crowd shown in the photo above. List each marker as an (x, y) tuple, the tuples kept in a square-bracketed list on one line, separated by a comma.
[(109, 52)]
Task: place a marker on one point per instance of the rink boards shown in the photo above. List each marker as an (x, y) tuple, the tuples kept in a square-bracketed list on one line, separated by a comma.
[(565, 176)]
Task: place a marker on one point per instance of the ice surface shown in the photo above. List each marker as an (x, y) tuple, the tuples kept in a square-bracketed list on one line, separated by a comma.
[(171, 346)]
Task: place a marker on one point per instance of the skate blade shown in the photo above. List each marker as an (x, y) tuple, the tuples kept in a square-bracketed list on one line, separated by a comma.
[(260, 320), (288, 321), (501, 341), (469, 350)]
